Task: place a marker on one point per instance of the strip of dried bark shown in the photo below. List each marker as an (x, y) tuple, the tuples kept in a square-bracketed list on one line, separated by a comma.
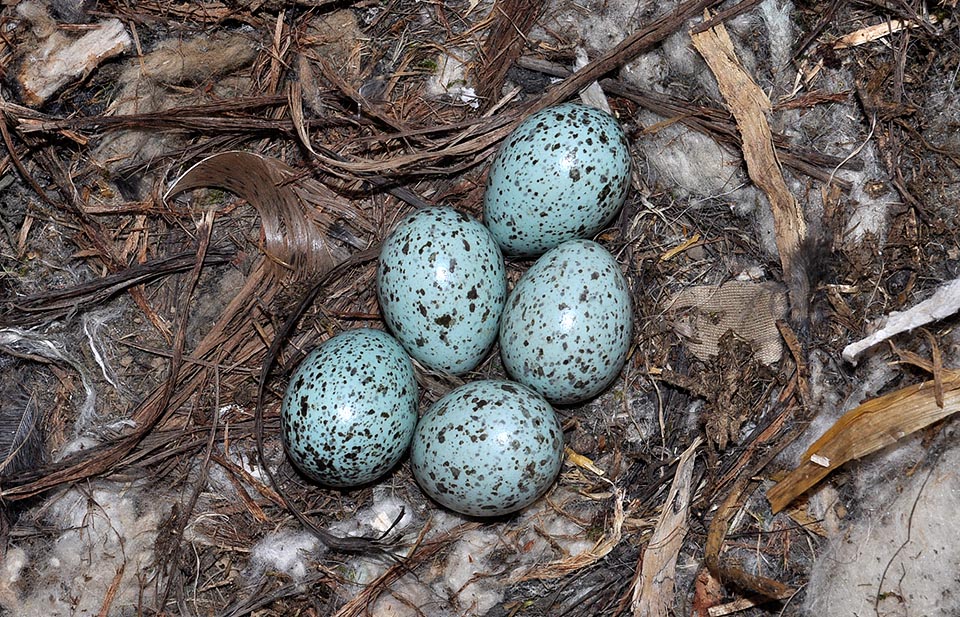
[(653, 590), (749, 105)]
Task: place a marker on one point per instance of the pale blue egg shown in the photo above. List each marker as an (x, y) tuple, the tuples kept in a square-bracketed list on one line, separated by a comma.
[(563, 173), (350, 409), (441, 283), (487, 448), (567, 325)]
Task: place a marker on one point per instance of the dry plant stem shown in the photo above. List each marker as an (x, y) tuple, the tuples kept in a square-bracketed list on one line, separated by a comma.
[(725, 15), (826, 17), (627, 50), (603, 546), (262, 597), (111, 593), (98, 461), (757, 455), (799, 358), (18, 164), (354, 95), (500, 125), (170, 565), (96, 233), (186, 117), (767, 441)]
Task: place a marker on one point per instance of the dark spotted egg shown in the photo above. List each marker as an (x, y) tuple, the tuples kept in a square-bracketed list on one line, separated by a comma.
[(487, 448), (563, 173), (350, 409), (566, 329), (442, 283)]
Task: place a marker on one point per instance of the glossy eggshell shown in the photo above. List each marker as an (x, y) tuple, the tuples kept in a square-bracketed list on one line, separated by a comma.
[(441, 282), (563, 173), (350, 409), (566, 329), (487, 448)]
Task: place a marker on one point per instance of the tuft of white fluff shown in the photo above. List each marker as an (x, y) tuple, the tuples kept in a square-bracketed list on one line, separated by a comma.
[(106, 536), (284, 551)]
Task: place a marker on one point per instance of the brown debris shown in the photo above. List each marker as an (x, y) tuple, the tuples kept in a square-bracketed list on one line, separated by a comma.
[(733, 384)]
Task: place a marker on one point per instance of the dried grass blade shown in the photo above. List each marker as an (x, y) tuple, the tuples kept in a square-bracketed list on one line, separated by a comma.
[(873, 425)]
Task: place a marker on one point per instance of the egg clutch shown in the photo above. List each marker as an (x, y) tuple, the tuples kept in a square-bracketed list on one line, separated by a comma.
[(490, 447)]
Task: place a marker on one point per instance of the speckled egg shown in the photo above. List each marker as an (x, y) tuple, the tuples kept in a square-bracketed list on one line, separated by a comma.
[(487, 448), (350, 409), (563, 173), (566, 329), (442, 283)]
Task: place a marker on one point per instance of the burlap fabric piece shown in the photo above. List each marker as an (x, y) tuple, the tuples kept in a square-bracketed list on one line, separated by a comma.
[(703, 314)]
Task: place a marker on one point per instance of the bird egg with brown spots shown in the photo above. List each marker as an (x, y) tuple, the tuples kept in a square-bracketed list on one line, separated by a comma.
[(350, 409), (562, 174), (567, 325), (488, 448), (441, 282)]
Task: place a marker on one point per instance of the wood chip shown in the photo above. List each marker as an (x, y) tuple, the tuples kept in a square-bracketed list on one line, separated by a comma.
[(876, 31)]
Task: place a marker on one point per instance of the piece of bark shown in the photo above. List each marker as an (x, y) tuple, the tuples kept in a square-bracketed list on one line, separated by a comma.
[(653, 588), (749, 105), (59, 60), (942, 304)]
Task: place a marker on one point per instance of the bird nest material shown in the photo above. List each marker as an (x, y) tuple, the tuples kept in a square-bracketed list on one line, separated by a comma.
[(194, 196)]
